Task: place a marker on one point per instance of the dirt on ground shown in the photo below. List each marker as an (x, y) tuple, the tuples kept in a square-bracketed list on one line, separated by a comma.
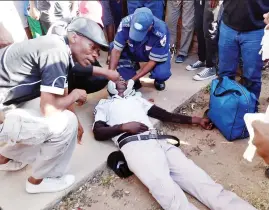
[(221, 159)]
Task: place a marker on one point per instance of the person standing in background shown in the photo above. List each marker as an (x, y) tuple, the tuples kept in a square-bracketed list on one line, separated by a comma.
[(34, 24), (242, 30), (173, 13), (156, 7), (51, 11), (207, 15)]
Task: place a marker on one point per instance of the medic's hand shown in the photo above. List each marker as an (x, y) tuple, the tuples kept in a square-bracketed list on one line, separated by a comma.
[(80, 96), (134, 127), (266, 18), (261, 139), (113, 75)]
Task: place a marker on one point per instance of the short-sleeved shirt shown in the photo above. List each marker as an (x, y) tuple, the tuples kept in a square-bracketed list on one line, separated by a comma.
[(154, 47), (118, 110), (32, 66), (245, 15)]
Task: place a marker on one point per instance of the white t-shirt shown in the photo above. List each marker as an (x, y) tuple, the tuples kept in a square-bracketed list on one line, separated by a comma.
[(118, 110)]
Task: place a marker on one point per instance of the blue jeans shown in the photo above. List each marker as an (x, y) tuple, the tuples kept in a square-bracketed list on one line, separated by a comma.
[(231, 43), (157, 7)]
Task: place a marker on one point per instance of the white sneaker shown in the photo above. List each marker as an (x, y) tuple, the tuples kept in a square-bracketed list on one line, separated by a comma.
[(50, 185), (207, 73), (12, 165), (195, 66)]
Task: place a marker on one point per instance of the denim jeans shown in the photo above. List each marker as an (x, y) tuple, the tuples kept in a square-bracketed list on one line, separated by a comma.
[(231, 43)]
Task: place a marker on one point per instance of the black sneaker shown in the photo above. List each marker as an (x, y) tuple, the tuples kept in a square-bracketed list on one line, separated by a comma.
[(137, 84), (159, 85)]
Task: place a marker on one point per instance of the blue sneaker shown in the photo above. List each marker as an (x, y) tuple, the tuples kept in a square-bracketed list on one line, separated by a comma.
[(180, 58)]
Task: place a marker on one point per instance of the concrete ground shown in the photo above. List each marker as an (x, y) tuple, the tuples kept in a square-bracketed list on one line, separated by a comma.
[(91, 155)]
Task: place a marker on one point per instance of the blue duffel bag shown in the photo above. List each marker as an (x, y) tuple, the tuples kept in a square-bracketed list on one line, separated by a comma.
[(229, 102)]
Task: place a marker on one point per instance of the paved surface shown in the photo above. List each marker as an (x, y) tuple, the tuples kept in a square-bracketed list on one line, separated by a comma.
[(91, 155)]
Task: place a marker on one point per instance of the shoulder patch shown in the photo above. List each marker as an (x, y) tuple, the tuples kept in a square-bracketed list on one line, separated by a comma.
[(158, 33), (163, 41), (126, 22)]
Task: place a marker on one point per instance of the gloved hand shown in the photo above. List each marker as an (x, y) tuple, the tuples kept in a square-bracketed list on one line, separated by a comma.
[(130, 87)]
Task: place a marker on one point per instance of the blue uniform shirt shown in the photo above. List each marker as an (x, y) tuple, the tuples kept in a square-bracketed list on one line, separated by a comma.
[(154, 47)]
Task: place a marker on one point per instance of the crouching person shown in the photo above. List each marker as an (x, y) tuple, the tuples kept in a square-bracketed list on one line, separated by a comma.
[(38, 125), (162, 167)]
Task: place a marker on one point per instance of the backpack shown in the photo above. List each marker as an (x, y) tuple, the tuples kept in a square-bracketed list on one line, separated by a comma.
[(229, 102)]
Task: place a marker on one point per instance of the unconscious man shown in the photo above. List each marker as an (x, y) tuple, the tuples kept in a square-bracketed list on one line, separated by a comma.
[(162, 167)]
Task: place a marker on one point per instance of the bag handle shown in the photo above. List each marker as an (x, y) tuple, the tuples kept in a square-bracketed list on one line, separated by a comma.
[(237, 92)]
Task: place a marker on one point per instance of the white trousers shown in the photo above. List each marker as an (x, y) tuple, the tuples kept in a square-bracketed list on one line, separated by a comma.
[(45, 143), (166, 172)]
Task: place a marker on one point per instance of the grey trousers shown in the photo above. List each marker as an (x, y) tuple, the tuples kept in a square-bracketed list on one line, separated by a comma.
[(166, 172), (173, 13), (47, 144)]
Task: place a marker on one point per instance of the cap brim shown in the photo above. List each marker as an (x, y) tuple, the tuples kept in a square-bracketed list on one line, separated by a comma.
[(136, 35), (105, 48)]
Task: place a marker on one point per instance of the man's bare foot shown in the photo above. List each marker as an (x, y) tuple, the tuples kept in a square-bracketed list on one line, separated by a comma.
[(3, 160), (34, 181)]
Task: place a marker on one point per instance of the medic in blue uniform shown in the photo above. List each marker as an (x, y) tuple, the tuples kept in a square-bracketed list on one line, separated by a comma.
[(142, 37)]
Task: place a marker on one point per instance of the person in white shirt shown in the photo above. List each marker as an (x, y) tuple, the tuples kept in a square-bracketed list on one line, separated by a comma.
[(161, 166)]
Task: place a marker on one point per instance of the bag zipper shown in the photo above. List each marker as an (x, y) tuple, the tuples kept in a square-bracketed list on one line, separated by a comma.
[(247, 103)]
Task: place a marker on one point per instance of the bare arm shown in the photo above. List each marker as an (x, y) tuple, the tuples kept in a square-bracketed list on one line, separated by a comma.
[(165, 116), (5, 36), (146, 69), (109, 74), (51, 103), (114, 59), (34, 12)]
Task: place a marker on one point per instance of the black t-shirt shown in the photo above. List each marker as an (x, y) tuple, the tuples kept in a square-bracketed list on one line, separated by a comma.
[(245, 15), (26, 68)]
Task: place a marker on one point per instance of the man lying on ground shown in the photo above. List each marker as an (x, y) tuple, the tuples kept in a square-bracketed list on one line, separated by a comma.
[(162, 167)]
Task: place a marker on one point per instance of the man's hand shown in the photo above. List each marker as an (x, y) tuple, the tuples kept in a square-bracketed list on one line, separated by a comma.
[(266, 18), (80, 132), (214, 3), (203, 122), (80, 96), (113, 75), (134, 127), (261, 139)]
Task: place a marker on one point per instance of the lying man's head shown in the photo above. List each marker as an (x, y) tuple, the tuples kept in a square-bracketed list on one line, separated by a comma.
[(120, 87)]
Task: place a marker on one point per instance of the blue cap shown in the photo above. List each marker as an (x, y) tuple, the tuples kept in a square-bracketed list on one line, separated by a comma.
[(141, 21)]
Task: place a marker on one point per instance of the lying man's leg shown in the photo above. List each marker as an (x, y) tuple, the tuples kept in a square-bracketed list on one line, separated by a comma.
[(46, 143), (147, 160), (196, 182)]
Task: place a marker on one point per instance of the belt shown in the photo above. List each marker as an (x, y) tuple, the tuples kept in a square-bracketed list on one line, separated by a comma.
[(126, 138)]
